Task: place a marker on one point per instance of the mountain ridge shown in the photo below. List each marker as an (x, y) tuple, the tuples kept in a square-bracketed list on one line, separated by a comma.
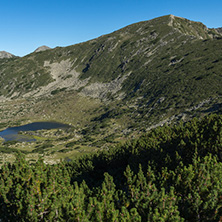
[(107, 49), (148, 46)]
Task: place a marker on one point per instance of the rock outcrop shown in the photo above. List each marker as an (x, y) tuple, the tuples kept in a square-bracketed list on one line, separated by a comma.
[(42, 48), (219, 30), (4, 54)]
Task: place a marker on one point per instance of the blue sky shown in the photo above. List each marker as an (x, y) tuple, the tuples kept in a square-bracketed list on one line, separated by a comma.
[(28, 24)]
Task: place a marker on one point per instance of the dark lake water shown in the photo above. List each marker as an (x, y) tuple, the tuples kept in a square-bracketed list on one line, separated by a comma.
[(11, 133)]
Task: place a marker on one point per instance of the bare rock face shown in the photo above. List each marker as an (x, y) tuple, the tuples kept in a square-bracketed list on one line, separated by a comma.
[(219, 30), (4, 54), (42, 48)]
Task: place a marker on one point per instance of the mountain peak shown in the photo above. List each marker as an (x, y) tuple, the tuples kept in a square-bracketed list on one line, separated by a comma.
[(191, 28), (42, 48), (4, 54), (173, 16)]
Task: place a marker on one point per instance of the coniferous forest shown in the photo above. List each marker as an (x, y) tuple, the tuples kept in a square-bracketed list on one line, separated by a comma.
[(172, 173)]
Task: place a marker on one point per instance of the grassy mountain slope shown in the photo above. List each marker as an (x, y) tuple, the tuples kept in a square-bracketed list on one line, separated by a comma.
[(137, 51), (120, 84)]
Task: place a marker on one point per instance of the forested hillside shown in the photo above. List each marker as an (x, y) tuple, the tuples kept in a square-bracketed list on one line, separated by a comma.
[(173, 173)]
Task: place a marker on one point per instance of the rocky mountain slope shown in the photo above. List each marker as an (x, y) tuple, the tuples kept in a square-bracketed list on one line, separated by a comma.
[(122, 83), (4, 54), (42, 48), (103, 65)]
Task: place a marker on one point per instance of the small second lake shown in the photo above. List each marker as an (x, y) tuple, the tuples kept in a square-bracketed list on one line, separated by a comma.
[(12, 133)]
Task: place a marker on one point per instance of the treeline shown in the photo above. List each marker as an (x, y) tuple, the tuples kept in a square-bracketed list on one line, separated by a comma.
[(170, 174)]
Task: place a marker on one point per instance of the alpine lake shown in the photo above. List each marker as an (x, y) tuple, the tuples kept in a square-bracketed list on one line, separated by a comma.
[(53, 141), (13, 133)]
